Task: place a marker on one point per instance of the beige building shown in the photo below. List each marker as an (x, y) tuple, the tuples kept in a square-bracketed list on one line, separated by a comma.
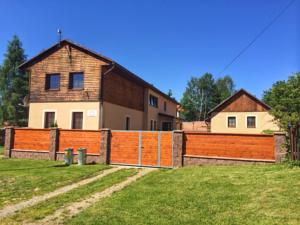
[(242, 113), (75, 88)]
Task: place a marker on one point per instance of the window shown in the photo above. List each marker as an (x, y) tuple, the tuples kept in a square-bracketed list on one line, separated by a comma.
[(77, 119), (231, 121), (127, 123), (52, 81), (151, 125), (166, 126), (165, 106), (49, 119), (76, 81), (251, 121), (153, 101), (154, 125)]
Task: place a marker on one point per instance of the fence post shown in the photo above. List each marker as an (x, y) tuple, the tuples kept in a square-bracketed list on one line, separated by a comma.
[(178, 148), (9, 141), (280, 146), (53, 147), (105, 146)]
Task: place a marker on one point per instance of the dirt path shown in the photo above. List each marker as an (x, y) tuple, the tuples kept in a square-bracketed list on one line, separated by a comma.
[(11, 209), (62, 213)]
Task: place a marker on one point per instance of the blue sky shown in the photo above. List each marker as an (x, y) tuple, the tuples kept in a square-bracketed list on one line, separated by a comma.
[(167, 42)]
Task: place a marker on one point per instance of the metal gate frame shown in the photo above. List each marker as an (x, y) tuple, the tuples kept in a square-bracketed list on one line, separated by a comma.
[(140, 145)]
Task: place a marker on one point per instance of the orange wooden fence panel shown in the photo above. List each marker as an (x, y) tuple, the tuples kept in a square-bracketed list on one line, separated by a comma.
[(248, 146), (124, 147), (32, 139), (166, 139), (149, 148), (89, 139)]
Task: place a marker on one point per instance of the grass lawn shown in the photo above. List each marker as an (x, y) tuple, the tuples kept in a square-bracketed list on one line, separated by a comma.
[(49, 206), (1, 150), (22, 179), (258, 194)]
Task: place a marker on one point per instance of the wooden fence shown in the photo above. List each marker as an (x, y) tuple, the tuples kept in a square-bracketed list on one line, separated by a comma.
[(142, 148), (145, 148), (75, 139), (32, 139), (239, 146)]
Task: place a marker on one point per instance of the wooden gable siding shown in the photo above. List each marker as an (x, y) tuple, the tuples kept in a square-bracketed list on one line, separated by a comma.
[(121, 91), (242, 103), (64, 61)]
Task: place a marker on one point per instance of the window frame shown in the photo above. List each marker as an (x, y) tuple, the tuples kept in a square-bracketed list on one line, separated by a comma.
[(227, 122), (150, 102), (71, 81), (44, 116), (255, 117), (48, 81), (71, 118)]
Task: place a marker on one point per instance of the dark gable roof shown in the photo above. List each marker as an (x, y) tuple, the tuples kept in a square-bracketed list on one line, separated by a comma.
[(241, 91), (57, 46)]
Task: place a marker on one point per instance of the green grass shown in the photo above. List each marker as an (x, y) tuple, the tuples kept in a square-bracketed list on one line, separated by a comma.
[(22, 179), (1, 150), (48, 207), (258, 194)]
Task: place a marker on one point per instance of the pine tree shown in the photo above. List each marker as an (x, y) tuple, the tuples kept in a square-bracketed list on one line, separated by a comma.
[(13, 85)]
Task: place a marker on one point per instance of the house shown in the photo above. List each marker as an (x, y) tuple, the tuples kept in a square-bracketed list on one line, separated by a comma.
[(76, 88), (241, 113)]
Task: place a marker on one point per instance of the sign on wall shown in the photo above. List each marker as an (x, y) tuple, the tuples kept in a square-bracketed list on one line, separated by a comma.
[(92, 113)]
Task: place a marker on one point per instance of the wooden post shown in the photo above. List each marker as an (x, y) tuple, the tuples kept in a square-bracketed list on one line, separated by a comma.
[(105, 146), (53, 147), (9, 141)]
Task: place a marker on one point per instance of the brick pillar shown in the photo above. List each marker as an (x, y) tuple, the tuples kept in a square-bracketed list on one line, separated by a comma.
[(105, 146), (178, 139), (53, 147), (9, 141), (280, 146)]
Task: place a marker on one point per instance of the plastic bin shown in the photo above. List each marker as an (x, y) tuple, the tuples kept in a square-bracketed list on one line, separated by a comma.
[(81, 156), (69, 156)]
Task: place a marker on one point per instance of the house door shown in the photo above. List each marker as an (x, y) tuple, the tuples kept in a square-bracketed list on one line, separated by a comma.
[(166, 126)]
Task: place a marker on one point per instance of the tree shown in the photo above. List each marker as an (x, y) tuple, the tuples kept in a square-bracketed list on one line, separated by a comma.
[(225, 88), (13, 85), (204, 93), (284, 98)]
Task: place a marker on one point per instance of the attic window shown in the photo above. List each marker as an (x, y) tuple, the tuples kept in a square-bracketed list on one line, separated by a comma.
[(76, 81), (52, 81)]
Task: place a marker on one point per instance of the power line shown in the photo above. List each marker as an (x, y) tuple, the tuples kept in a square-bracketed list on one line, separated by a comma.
[(258, 36)]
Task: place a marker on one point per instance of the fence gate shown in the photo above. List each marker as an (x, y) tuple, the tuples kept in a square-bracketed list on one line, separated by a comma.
[(142, 148)]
